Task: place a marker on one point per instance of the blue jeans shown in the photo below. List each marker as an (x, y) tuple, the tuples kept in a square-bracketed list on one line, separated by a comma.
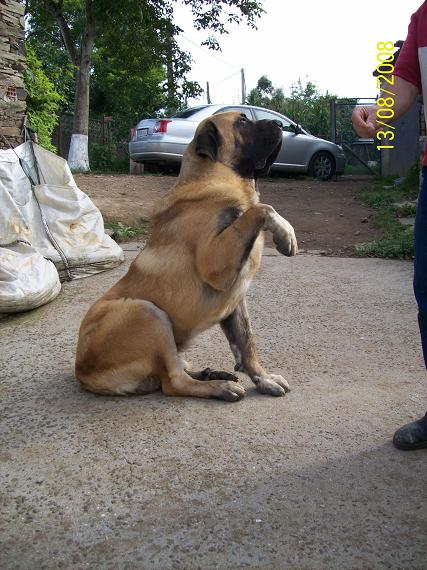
[(420, 263)]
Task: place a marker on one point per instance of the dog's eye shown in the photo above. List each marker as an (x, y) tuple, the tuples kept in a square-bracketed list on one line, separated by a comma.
[(243, 119)]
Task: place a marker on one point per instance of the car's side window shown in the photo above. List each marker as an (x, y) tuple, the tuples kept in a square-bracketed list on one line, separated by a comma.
[(245, 110), (261, 114)]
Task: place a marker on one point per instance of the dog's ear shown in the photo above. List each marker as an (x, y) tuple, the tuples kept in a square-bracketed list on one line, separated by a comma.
[(208, 141)]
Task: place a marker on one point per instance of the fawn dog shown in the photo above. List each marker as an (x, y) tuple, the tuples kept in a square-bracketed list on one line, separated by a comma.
[(204, 250)]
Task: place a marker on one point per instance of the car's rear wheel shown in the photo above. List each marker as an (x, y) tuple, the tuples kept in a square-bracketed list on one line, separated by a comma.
[(322, 165)]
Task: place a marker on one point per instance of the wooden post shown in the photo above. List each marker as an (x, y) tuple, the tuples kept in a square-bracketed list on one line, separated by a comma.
[(136, 167), (333, 109)]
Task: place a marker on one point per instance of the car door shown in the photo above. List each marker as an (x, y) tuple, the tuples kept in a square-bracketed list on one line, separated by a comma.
[(293, 154)]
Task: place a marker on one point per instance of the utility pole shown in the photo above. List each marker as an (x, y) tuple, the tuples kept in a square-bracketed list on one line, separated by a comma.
[(170, 72), (208, 94), (242, 73)]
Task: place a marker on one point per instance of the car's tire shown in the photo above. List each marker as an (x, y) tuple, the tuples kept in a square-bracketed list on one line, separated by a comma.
[(322, 165), (152, 168)]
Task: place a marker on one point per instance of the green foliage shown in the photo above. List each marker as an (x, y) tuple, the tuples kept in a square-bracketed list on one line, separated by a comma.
[(380, 197), (44, 38), (43, 101), (390, 202), (137, 67), (214, 15), (406, 210), (104, 158), (305, 105), (123, 232), (399, 245), (411, 184)]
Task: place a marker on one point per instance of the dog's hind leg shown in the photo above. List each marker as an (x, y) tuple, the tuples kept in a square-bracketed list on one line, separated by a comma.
[(237, 329), (128, 347), (178, 382)]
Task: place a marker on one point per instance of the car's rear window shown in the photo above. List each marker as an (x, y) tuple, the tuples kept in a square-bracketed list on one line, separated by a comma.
[(188, 112)]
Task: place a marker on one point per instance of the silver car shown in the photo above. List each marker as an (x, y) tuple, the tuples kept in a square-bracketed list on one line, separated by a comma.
[(164, 141)]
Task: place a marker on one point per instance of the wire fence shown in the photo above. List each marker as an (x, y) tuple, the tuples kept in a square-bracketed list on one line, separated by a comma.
[(101, 132)]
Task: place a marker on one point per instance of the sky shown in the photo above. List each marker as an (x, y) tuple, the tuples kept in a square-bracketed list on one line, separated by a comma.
[(329, 42)]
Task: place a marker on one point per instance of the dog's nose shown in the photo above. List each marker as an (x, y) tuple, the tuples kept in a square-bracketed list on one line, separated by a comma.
[(278, 123)]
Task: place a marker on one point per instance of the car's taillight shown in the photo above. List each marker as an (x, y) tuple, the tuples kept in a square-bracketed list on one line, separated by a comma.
[(161, 126), (132, 133)]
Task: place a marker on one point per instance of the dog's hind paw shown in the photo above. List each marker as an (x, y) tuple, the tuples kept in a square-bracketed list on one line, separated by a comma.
[(271, 384), (229, 391)]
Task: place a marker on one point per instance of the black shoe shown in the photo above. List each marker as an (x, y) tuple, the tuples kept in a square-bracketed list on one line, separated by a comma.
[(412, 436)]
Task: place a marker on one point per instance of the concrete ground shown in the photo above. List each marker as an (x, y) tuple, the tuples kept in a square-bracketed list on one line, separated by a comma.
[(307, 481)]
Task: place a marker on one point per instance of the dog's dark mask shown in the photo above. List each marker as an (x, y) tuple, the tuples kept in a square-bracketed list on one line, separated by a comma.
[(258, 143)]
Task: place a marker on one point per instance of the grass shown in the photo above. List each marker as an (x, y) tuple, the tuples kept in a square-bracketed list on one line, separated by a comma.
[(356, 169), (124, 232), (390, 203)]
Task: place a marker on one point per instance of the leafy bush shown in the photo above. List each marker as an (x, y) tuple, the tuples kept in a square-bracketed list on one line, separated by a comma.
[(411, 184), (388, 199), (103, 158), (43, 101), (124, 232), (305, 105), (399, 245)]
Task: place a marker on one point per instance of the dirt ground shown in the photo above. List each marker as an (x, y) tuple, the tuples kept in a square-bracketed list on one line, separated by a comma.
[(326, 216)]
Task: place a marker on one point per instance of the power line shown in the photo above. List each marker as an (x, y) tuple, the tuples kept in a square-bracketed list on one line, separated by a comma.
[(226, 78), (208, 52)]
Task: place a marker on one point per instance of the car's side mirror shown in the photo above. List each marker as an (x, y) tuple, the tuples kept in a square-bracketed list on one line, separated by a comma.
[(280, 124), (296, 129)]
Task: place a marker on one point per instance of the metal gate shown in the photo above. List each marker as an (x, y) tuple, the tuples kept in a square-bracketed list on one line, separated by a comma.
[(362, 154)]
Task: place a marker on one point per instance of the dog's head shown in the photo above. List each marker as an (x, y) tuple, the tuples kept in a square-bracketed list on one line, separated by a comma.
[(248, 147)]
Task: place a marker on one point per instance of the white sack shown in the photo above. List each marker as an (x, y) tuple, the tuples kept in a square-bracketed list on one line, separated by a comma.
[(27, 280), (74, 221)]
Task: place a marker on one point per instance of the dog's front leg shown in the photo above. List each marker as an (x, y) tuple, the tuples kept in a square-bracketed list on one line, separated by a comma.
[(221, 255), (237, 329)]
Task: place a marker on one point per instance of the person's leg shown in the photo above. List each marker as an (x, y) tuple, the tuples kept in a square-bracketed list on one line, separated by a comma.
[(420, 264), (414, 435)]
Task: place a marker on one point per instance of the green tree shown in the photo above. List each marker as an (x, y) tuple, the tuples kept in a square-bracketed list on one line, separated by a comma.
[(43, 101), (81, 23), (305, 104), (130, 83)]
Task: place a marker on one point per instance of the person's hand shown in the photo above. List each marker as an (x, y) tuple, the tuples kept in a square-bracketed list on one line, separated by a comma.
[(364, 121)]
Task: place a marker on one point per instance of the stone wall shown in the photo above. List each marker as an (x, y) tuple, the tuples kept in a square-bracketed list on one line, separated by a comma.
[(12, 60)]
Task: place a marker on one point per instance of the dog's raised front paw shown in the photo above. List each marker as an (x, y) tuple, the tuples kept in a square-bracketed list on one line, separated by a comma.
[(283, 234), (272, 384)]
